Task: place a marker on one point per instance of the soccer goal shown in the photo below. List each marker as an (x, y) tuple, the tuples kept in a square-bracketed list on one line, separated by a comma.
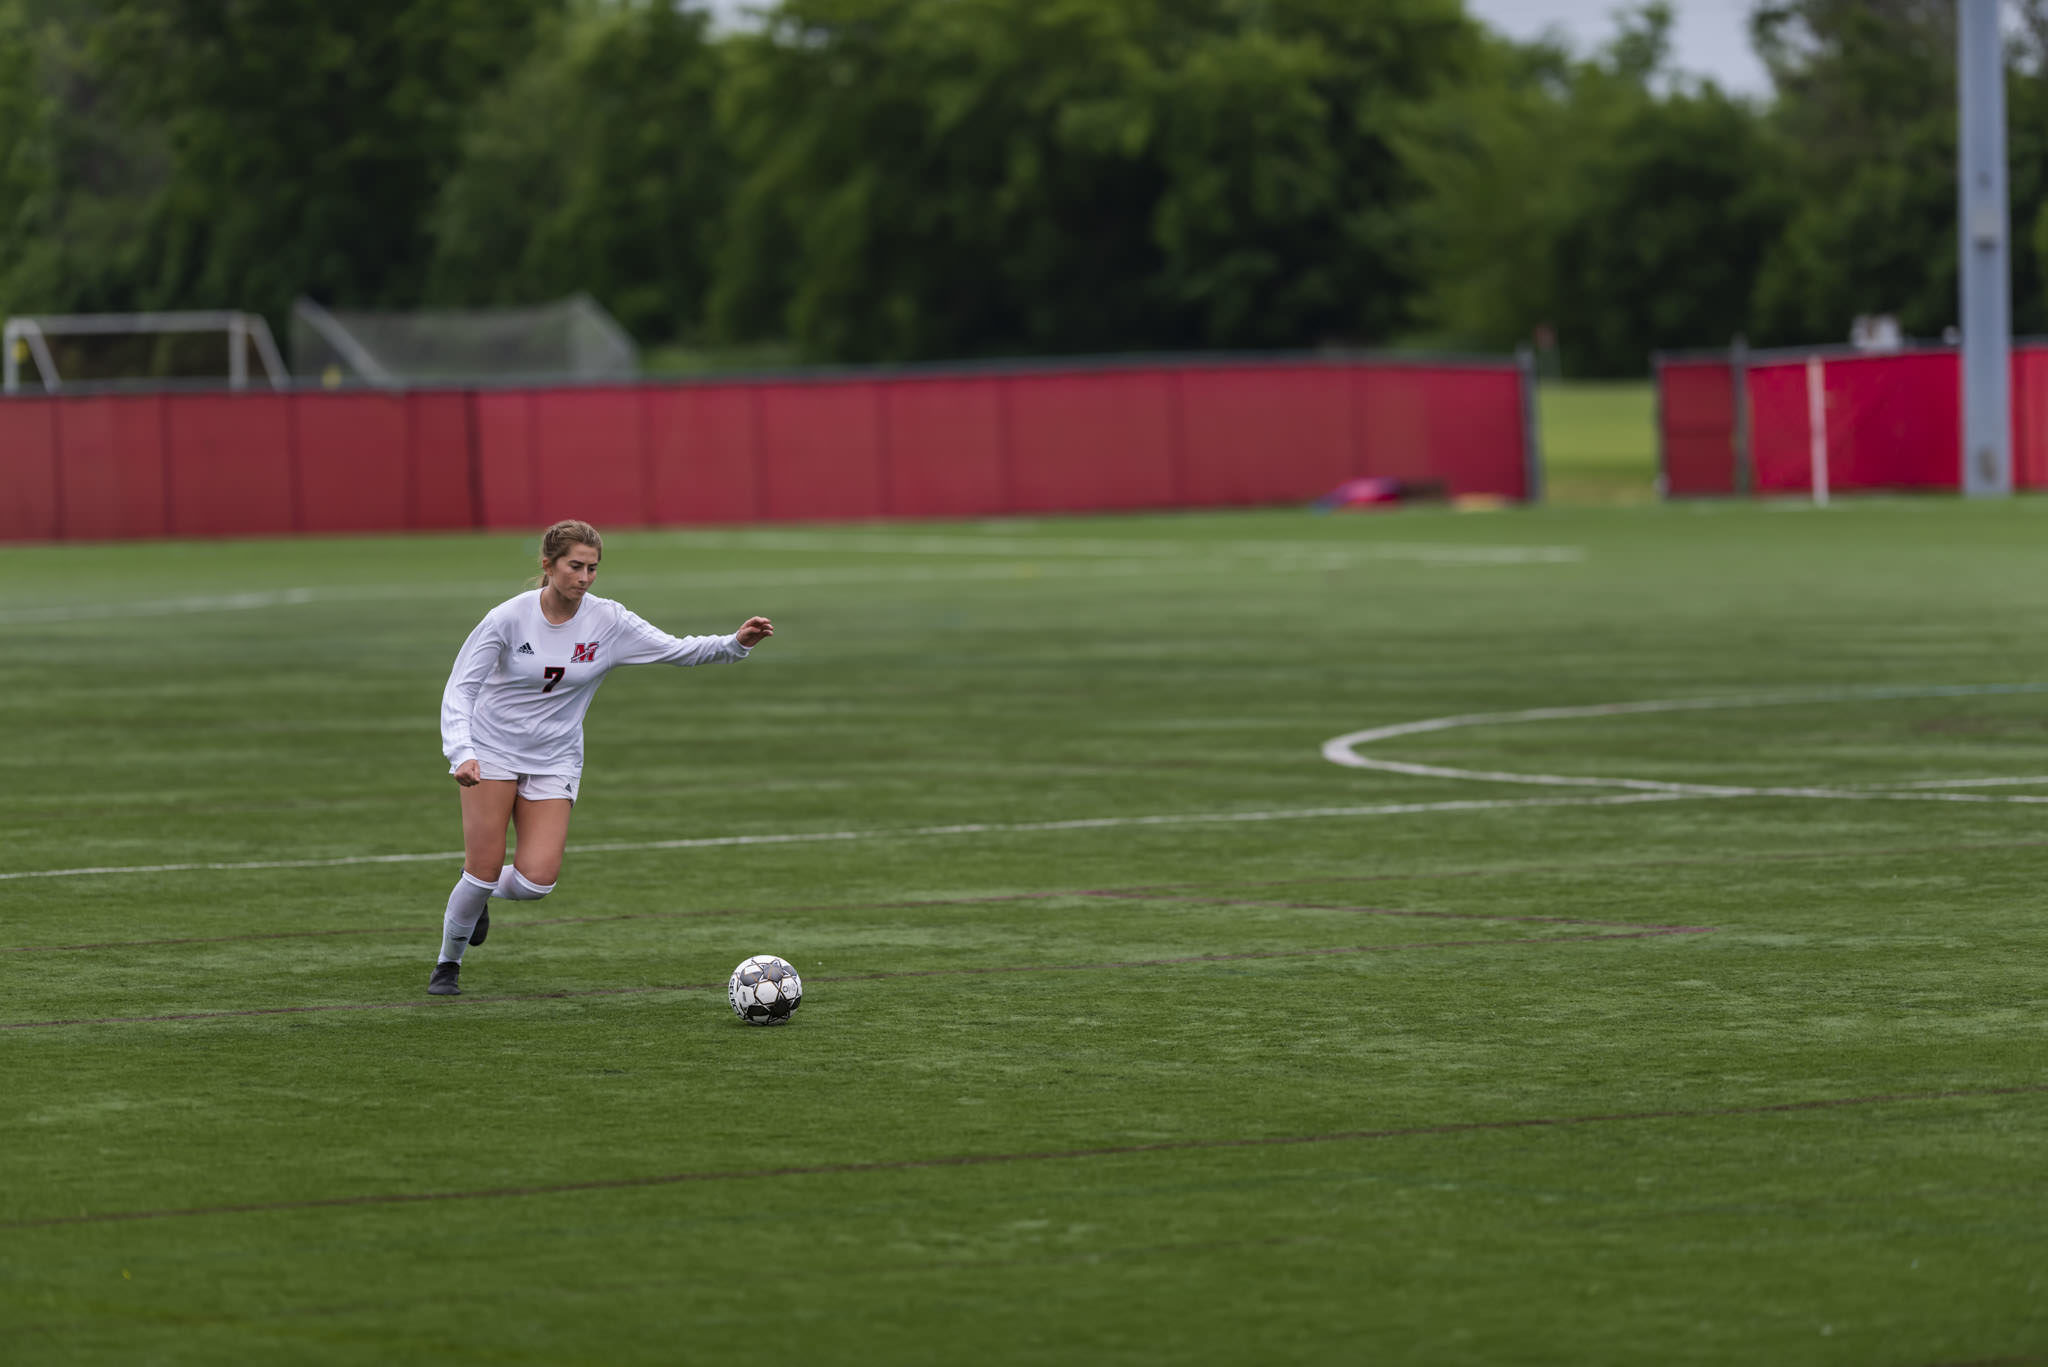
[(28, 338), (570, 339)]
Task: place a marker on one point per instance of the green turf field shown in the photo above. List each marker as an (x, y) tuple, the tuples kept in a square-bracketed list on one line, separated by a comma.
[(1138, 1029)]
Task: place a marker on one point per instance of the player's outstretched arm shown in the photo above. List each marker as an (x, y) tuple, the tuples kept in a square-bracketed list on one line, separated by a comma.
[(641, 643)]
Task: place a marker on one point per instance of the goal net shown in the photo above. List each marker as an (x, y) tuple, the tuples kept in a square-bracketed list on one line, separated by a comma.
[(50, 352), (573, 338)]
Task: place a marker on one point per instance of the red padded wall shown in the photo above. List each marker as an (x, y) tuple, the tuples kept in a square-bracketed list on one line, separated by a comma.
[(911, 446), (946, 453), (821, 451), (28, 470), (1264, 435), (507, 487), (1390, 425), (590, 457), (2029, 417), (1893, 422), (230, 464), (704, 448), (1086, 441), (439, 460), (353, 460), (1696, 426), (1778, 428), (1460, 426), (1476, 437), (113, 467)]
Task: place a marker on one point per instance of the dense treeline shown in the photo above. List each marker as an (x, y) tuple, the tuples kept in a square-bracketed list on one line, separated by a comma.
[(900, 179)]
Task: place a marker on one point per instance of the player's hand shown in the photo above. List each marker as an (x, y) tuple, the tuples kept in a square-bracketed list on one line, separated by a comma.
[(467, 774), (756, 630)]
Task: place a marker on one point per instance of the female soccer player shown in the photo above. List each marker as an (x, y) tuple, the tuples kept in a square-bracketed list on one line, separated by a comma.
[(512, 725)]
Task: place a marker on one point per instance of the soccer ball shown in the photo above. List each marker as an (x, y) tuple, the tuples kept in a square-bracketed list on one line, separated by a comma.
[(764, 990)]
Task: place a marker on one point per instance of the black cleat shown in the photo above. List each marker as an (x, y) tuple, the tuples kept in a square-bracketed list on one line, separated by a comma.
[(443, 983), (483, 928)]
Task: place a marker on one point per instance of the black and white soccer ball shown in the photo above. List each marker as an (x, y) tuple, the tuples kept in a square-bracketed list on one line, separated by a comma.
[(764, 990)]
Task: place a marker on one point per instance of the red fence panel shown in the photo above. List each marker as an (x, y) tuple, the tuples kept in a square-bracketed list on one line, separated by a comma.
[(821, 451), (1085, 441), (930, 445), (2030, 417), (947, 453), (112, 468), (507, 486), (1264, 435), (1696, 426), (704, 450), (230, 464), (1458, 426), (1894, 422), (352, 459), (1778, 433), (440, 460), (28, 470), (1477, 438), (590, 456)]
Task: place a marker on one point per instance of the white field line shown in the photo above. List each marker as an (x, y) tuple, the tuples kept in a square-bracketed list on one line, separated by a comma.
[(497, 592), (1097, 823), (1105, 546), (1344, 749), (1294, 559), (2037, 780)]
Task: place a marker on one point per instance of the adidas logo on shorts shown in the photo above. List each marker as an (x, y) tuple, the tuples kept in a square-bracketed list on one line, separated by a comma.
[(524, 649)]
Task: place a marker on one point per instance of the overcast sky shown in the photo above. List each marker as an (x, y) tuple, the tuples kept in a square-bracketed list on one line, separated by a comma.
[(1710, 38)]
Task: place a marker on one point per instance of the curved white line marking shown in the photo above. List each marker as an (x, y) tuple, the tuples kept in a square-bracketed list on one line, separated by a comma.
[(1344, 749)]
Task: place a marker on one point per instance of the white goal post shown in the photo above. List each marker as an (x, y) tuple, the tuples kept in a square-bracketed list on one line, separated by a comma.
[(27, 335)]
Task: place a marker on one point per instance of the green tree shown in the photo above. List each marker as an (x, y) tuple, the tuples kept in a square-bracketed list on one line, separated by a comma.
[(1866, 102), (598, 165), (1675, 214), (935, 177), (306, 140), (76, 178), (1624, 208)]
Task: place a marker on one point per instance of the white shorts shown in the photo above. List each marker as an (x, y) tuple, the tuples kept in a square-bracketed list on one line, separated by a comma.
[(532, 787)]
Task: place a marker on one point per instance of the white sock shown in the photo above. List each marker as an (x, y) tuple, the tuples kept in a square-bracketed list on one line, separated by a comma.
[(465, 905), (515, 886)]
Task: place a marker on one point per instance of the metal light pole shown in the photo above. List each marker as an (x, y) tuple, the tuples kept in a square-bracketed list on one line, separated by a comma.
[(1982, 233)]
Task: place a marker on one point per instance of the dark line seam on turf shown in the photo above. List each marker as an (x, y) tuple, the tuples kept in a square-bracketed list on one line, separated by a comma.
[(1050, 1155), (1649, 932), (1502, 871), (1145, 896), (1140, 893)]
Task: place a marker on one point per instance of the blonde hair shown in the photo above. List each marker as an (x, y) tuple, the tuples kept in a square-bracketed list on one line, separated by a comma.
[(556, 541)]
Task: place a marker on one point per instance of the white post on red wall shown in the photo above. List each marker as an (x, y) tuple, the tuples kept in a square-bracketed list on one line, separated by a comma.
[(1985, 293), (1817, 427)]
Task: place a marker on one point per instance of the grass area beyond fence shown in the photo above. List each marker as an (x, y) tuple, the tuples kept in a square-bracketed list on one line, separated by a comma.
[(1599, 441)]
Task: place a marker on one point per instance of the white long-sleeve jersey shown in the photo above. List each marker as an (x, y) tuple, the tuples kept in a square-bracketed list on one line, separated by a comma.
[(521, 684)]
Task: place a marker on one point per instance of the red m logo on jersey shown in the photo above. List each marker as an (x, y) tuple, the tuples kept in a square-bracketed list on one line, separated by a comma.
[(585, 654)]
